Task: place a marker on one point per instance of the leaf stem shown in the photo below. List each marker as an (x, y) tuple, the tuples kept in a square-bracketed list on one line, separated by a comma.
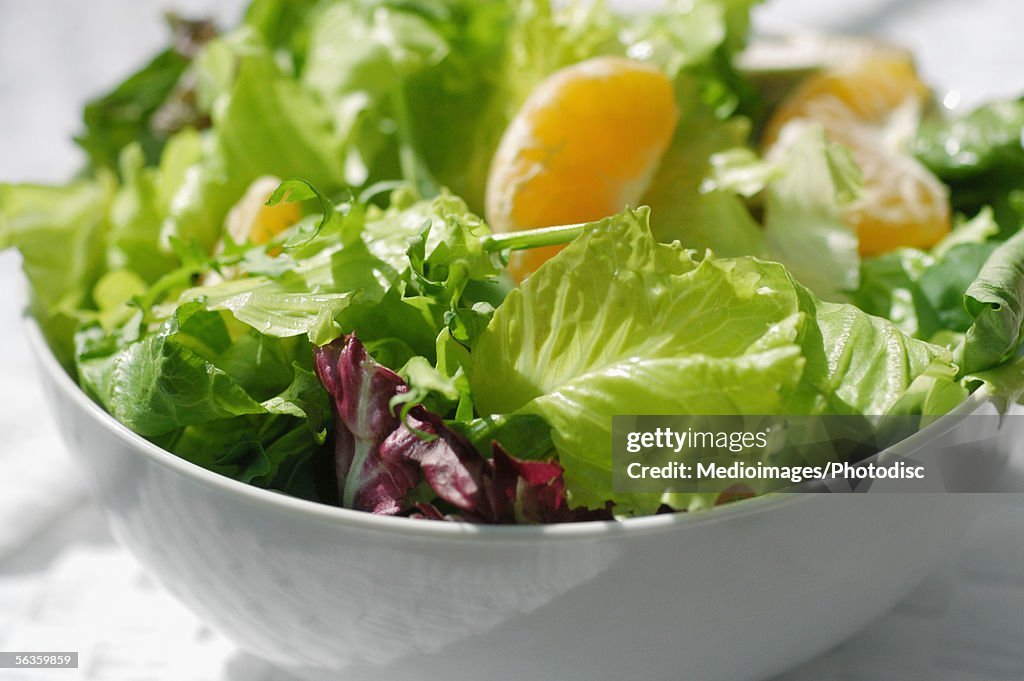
[(533, 238)]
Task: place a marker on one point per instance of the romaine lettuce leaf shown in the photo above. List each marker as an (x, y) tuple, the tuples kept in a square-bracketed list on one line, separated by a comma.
[(995, 301), (860, 364), (617, 319)]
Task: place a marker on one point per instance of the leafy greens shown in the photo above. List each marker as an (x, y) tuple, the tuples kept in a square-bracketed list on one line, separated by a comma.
[(374, 353)]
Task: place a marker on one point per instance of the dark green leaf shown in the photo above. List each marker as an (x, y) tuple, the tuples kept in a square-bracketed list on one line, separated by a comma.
[(123, 116)]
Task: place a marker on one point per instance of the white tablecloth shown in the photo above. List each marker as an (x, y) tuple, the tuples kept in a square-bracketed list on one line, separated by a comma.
[(64, 584)]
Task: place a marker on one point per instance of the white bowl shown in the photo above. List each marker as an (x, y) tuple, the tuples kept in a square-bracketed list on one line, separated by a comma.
[(739, 593)]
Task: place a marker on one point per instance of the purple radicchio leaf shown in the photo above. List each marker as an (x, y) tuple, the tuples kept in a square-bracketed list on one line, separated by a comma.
[(451, 466), (369, 478), (378, 459), (536, 491)]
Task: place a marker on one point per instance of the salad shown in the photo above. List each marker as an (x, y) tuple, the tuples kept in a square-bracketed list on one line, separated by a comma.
[(410, 257)]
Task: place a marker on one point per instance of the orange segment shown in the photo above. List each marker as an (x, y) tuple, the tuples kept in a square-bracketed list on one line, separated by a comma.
[(854, 99), (901, 205), (252, 221), (870, 106), (585, 144)]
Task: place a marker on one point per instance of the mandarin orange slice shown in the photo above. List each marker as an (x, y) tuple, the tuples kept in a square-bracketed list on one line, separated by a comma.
[(584, 145), (252, 221), (871, 106)]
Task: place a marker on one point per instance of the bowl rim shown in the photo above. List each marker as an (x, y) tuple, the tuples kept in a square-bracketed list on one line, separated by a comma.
[(321, 512)]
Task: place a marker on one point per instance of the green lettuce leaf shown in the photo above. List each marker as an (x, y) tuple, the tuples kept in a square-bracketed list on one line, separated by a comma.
[(860, 364), (576, 343), (193, 370), (414, 266), (980, 156), (978, 230), (359, 58), (804, 226), (60, 232), (539, 351), (122, 117), (61, 235), (305, 399), (888, 288), (805, 186), (277, 452), (141, 204), (923, 292), (148, 106), (995, 301), (1004, 383), (684, 206), (162, 382), (985, 139), (618, 319), (267, 124), (283, 25)]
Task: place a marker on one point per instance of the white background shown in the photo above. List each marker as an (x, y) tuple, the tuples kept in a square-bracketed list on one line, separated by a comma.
[(62, 580)]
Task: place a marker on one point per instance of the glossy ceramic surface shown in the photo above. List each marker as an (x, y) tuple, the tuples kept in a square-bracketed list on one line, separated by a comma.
[(736, 594)]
